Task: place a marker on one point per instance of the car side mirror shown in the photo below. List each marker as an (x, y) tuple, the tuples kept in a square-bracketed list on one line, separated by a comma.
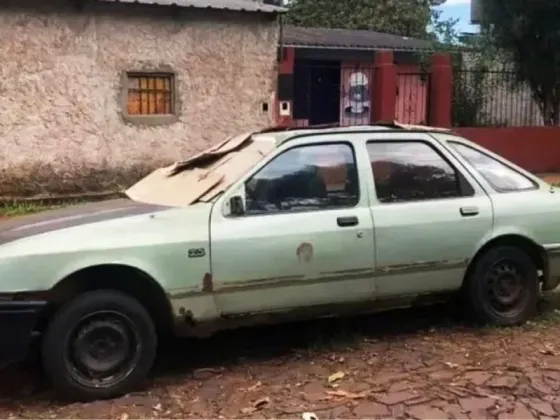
[(236, 205)]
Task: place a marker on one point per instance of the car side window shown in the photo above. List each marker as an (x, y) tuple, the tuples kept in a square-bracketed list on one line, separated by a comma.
[(413, 171), (501, 177), (305, 178)]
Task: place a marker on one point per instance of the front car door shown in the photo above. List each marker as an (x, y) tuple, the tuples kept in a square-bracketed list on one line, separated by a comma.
[(430, 216), (306, 238)]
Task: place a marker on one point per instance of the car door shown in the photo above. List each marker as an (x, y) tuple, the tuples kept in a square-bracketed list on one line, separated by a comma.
[(429, 215), (305, 239)]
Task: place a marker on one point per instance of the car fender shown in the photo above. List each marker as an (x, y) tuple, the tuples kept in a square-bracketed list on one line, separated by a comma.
[(89, 262), (500, 232)]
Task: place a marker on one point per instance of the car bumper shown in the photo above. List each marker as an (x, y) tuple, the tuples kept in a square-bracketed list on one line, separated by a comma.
[(553, 276), (18, 321)]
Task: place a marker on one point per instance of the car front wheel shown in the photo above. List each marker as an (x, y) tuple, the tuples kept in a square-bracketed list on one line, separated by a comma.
[(503, 287), (100, 345)]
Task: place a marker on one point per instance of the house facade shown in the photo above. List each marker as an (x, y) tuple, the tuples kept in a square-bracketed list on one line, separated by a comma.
[(326, 76), (94, 94)]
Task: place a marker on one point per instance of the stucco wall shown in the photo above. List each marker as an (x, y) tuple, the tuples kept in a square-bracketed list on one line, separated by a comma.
[(61, 129)]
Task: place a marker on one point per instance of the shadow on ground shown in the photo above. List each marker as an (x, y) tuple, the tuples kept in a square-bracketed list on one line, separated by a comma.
[(21, 383)]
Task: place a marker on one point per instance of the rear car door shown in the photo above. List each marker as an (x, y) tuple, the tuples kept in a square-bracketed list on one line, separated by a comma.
[(430, 216), (306, 238)]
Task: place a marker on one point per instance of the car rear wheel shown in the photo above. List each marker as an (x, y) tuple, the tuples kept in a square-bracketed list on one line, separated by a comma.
[(100, 345), (503, 287)]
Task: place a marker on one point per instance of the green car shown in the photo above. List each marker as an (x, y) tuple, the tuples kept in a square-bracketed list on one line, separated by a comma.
[(270, 226)]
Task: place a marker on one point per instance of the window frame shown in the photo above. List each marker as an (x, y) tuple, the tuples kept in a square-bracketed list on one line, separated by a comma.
[(535, 185), (462, 181), (149, 119), (284, 151)]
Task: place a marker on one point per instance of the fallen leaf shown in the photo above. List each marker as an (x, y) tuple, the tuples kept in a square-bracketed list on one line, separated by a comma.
[(257, 405), (248, 410), (157, 407), (208, 370), (254, 387), (451, 365), (336, 376), (549, 350), (346, 394), (261, 403)]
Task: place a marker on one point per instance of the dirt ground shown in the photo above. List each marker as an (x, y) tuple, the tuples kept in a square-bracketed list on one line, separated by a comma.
[(420, 363)]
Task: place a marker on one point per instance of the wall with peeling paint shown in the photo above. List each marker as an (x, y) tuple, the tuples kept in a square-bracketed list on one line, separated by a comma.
[(61, 129)]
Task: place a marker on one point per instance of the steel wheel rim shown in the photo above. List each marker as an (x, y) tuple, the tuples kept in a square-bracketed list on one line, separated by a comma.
[(506, 284), (102, 349)]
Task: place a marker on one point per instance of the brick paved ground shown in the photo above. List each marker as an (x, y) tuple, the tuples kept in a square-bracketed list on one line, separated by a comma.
[(406, 364)]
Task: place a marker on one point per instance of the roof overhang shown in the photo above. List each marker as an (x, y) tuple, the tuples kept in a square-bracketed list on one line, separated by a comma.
[(353, 47), (226, 5)]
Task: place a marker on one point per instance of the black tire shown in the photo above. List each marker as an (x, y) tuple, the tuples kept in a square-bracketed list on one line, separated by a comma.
[(503, 287), (104, 317)]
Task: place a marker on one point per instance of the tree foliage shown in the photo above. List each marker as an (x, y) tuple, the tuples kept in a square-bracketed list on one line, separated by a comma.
[(529, 34), (411, 18)]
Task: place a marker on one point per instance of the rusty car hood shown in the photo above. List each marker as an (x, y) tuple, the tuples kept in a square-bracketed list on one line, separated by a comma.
[(24, 226), (204, 176)]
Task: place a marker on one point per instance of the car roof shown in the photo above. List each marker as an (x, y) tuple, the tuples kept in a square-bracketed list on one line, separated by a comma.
[(280, 135)]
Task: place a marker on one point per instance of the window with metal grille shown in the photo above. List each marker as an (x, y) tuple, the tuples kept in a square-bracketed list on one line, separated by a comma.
[(150, 94)]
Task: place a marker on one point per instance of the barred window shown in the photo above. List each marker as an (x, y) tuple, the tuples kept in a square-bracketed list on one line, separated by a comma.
[(150, 94)]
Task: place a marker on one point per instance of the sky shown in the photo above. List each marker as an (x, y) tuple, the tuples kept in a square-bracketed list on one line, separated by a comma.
[(459, 9)]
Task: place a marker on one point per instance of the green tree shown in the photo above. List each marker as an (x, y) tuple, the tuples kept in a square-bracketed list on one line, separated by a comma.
[(528, 33), (411, 18)]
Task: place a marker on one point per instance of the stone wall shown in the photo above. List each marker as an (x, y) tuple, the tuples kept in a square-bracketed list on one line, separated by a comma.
[(61, 126)]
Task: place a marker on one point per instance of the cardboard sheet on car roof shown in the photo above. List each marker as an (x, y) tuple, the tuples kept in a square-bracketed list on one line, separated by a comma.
[(203, 176)]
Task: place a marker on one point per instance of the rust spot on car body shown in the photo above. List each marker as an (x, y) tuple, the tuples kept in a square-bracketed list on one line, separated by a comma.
[(365, 270), (260, 283), (421, 266), (209, 286), (207, 283), (296, 280), (304, 252)]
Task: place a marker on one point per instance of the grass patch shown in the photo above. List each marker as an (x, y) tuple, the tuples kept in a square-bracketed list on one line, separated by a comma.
[(549, 309), (23, 208)]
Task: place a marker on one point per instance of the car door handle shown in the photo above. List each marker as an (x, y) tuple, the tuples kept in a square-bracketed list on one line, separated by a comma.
[(347, 221), (469, 211)]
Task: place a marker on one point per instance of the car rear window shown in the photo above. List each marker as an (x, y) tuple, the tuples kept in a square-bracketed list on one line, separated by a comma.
[(501, 177)]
